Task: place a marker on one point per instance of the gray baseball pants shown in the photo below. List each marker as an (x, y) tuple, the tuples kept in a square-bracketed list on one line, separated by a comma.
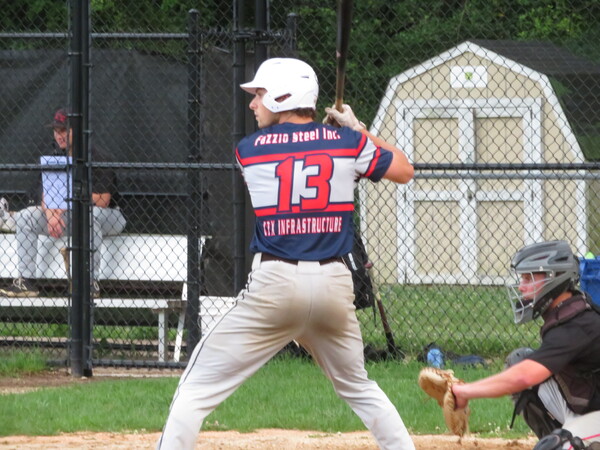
[(32, 222), (307, 302)]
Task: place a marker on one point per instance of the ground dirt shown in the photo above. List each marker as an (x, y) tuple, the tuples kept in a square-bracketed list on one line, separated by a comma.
[(268, 439)]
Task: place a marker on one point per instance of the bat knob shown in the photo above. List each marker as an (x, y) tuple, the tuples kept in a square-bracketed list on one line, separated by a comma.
[(328, 120)]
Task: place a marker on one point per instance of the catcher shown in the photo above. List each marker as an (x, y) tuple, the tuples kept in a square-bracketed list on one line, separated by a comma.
[(556, 388)]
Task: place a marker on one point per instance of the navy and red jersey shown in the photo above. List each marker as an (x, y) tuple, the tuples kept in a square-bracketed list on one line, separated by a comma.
[(301, 180)]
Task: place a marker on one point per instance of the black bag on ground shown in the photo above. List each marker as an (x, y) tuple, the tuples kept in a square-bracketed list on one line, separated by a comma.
[(358, 263)]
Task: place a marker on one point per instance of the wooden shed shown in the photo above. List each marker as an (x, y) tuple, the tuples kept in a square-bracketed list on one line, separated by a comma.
[(481, 102)]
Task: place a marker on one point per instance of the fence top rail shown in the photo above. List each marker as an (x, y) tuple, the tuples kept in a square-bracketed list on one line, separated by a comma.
[(248, 34), (65, 35), (127, 165), (478, 167), (530, 175), (419, 167)]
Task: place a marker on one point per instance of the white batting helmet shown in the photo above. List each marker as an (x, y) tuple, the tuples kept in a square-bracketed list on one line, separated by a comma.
[(290, 84)]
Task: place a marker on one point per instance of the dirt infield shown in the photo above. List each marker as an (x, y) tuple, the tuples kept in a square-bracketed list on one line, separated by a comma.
[(261, 439), (268, 439)]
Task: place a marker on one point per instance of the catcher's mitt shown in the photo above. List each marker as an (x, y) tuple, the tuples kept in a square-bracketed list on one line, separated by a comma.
[(437, 383)]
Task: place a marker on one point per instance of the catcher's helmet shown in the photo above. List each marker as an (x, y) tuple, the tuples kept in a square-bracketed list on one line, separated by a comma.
[(290, 84), (561, 268)]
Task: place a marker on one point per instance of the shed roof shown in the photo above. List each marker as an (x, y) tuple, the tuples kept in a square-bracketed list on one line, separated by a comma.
[(575, 81), (544, 57)]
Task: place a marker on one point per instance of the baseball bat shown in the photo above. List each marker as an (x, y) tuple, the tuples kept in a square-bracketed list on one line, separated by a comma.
[(64, 251), (389, 336), (344, 23), (392, 349)]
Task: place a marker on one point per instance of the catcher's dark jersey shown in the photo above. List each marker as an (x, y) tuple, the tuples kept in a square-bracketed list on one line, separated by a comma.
[(301, 180), (573, 344)]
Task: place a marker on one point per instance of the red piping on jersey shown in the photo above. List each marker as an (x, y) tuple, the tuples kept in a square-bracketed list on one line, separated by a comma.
[(260, 159), (272, 211), (373, 162)]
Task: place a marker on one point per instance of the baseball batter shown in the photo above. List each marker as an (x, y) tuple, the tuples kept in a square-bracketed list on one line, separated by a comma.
[(301, 176)]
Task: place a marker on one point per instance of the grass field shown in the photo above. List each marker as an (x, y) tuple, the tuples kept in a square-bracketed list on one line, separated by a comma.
[(290, 393), (287, 393), (461, 319)]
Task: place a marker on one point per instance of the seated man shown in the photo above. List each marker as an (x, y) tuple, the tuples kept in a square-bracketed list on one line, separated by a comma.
[(559, 383), (35, 220)]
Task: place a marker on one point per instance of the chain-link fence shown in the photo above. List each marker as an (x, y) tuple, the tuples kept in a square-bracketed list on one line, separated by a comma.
[(496, 103)]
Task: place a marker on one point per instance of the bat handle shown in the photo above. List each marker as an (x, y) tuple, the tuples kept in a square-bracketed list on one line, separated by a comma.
[(66, 259)]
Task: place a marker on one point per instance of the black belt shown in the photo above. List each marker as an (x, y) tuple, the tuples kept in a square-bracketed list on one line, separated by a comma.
[(269, 257)]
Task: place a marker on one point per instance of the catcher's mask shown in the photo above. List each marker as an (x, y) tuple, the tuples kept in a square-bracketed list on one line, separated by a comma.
[(290, 84), (548, 269)]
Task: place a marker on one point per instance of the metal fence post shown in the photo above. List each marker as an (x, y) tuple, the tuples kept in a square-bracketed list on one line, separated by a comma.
[(195, 134), (239, 116), (80, 313), (292, 32)]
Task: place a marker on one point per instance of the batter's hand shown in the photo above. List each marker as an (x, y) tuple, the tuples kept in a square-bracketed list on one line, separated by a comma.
[(346, 118)]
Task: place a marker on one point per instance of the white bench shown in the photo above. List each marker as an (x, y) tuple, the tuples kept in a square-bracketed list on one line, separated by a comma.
[(138, 257), (210, 309)]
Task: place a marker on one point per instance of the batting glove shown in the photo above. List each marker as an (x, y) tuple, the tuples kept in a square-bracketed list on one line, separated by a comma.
[(345, 118)]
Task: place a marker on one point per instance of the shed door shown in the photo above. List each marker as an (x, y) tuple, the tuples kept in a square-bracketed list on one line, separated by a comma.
[(463, 228)]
